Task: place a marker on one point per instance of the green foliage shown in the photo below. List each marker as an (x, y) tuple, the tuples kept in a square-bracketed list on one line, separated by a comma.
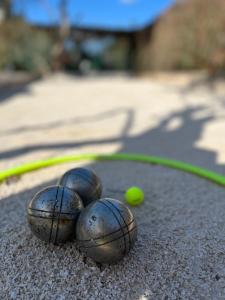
[(24, 48), (115, 56)]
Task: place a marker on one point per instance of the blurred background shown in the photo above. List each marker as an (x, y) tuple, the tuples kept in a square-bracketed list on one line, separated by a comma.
[(42, 36), (118, 75)]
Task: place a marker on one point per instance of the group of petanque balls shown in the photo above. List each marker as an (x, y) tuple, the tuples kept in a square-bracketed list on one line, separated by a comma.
[(104, 228)]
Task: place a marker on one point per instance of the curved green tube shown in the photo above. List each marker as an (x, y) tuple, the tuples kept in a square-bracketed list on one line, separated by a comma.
[(174, 164)]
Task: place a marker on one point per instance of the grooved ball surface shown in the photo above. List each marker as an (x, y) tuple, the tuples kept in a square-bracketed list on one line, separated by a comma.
[(83, 181), (52, 214), (106, 230)]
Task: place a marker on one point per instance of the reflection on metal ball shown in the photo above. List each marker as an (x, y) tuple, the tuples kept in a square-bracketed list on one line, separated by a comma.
[(83, 181), (52, 214), (106, 230)]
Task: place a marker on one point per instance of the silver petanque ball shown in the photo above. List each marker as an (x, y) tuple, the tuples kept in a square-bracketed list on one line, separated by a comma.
[(83, 181), (52, 214), (106, 230)]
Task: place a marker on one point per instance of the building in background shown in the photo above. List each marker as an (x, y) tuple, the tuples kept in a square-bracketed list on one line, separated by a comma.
[(189, 35)]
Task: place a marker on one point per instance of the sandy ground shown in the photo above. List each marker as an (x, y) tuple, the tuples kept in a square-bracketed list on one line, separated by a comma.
[(180, 252)]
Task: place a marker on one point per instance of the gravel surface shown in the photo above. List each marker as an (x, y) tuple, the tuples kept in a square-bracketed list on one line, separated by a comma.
[(180, 252)]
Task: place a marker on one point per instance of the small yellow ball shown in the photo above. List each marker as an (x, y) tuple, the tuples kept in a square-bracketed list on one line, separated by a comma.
[(134, 196)]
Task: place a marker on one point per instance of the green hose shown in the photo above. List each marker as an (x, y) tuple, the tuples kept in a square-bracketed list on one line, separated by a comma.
[(174, 164)]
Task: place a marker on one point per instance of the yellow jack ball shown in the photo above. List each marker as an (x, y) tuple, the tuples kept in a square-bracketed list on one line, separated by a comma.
[(134, 196)]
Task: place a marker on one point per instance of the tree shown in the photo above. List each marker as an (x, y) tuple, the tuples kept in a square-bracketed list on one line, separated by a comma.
[(63, 34), (6, 6)]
